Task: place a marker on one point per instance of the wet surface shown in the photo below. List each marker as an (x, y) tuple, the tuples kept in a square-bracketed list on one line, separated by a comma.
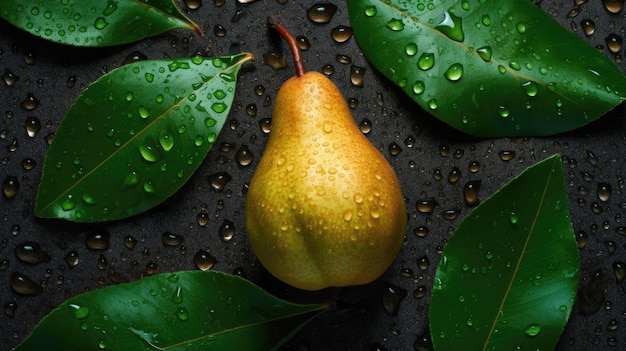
[(444, 174)]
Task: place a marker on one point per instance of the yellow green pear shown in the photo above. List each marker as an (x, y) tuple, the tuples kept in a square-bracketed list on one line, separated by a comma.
[(324, 208)]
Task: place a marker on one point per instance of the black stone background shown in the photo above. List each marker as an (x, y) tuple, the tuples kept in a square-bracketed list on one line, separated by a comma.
[(593, 154)]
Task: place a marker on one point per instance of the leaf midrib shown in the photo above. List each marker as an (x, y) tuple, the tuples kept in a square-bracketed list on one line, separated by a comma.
[(492, 61), (519, 261), (318, 308), (158, 118)]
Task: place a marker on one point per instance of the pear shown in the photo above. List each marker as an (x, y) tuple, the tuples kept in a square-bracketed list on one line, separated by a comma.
[(324, 207)]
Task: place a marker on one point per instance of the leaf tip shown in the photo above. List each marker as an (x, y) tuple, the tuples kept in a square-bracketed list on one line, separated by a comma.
[(197, 29)]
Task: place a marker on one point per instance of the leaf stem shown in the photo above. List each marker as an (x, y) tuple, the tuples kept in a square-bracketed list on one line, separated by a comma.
[(276, 24)]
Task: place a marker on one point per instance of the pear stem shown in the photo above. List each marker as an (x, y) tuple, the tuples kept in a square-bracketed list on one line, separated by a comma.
[(276, 24)]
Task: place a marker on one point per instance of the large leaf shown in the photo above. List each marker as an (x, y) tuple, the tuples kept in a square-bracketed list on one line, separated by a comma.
[(191, 310), (135, 136), (508, 275), (95, 23), (489, 68)]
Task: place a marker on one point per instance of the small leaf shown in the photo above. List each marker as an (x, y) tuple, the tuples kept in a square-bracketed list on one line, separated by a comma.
[(135, 136), (95, 23), (507, 277), (488, 68), (190, 310)]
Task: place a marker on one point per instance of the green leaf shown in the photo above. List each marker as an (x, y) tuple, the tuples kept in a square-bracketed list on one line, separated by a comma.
[(508, 275), (190, 310), (488, 68), (95, 23), (135, 136)]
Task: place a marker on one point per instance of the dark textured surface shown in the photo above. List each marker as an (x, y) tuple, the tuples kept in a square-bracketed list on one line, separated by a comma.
[(593, 156)]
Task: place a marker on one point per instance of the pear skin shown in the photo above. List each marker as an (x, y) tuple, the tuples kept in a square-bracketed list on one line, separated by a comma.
[(324, 207)]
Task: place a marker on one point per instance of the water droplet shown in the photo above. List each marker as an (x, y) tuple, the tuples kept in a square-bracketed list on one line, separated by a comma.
[(193, 4), (341, 34), (9, 309), (432, 104), (203, 260), (149, 153), (177, 297), (423, 263), (411, 49), (30, 103), (321, 12), (604, 191), (31, 252), (619, 270), (394, 149), (171, 239), (143, 112), (110, 8), (613, 6), (10, 186), (513, 218), (470, 192), (506, 155), (451, 26), (395, 24), (9, 78), (100, 23), (219, 180), (515, 65), (23, 285), (392, 297), (72, 259), (303, 42), (532, 330), (589, 26), (426, 61), (530, 88), (182, 313), (130, 242), (219, 107), (418, 87), (486, 20), (166, 141), (202, 218), (148, 187), (227, 230), (503, 111), (454, 72), (78, 311), (426, 205), (421, 231), (521, 27), (98, 240), (485, 53), (451, 214), (32, 126), (356, 75), (219, 30), (68, 204), (244, 156), (370, 11), (614, 43)]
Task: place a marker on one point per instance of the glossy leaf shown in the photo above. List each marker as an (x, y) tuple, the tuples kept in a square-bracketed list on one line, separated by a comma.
[(489, 68), (190, 310), (95, 23), (507, 277), (135, 136)]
